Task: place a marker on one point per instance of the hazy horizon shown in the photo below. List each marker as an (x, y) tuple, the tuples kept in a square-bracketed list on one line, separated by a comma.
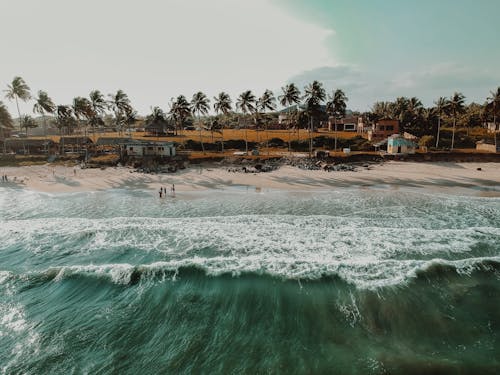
[(156, 50)]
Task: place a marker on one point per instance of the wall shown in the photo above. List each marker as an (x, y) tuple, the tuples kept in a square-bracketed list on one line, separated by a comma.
[(485, 147)]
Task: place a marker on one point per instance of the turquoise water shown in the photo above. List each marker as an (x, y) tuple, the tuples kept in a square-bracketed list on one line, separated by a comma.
[(235, 281)]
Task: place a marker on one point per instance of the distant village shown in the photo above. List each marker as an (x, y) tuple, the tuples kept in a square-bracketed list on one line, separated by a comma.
[(308, 125)]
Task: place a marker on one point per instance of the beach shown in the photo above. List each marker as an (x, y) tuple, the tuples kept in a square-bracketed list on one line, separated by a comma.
[(462, 178), (391, 269)]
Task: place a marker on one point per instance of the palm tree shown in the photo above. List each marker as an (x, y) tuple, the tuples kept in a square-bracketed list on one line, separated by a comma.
[(246, 103), (214, 127), (43, 104), (336, 107), (455, 106), (290, 96), (18, 89), (200, 105), (222, 104), (129, 118), (27, 122), (267, 102), (64, 119), (441, 105), (157, 119), (119, 103), (82, 109), (98, 105), (493, 105), (5, 122), (180, 110), (314, 96), (382, 110)]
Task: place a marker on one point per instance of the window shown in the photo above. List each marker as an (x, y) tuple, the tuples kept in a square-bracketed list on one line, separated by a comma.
[(131, 149), (390, 127)]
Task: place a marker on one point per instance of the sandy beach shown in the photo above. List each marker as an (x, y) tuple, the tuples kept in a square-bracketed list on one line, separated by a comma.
[(461, 178)]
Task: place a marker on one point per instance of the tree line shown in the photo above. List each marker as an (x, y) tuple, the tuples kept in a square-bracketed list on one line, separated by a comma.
[(304, 110)]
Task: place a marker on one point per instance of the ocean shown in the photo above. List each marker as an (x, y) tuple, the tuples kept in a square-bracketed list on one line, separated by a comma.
[(239, 281)]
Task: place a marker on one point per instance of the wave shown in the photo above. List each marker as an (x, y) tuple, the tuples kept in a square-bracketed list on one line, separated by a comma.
[(314, 238), (361, 274)]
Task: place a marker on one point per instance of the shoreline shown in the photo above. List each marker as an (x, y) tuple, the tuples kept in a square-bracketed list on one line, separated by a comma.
[(445, 177)]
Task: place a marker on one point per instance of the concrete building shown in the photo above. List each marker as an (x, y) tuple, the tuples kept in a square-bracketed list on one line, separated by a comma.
[(383, 129), (398, 144), (492, 127), (346, 124), (487, 147), (140, 149)]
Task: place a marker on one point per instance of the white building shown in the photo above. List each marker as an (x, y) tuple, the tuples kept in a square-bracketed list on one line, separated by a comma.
[(493, 127), (397, 144), (150, 149)]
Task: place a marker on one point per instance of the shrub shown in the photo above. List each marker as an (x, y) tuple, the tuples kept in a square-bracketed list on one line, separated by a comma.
[(300, 145), (196, 146), (238, 144), (277, 142), (426, 140)]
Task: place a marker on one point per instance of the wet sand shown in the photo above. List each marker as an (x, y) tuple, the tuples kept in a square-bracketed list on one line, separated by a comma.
[(458, 178)]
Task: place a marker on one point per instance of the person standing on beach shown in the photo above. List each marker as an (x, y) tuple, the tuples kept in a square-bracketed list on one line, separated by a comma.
[(173, 190), (161, 192)]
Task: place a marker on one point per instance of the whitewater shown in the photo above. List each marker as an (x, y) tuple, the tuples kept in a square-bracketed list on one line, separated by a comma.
[(238, 280)]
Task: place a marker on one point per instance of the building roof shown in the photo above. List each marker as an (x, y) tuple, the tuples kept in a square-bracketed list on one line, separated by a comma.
[(75, 140), (399, 140), (138, 142), (27, 142), (112, 141)]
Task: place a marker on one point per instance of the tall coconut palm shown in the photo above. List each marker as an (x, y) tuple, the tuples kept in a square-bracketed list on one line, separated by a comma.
[(267, 102), (18, 89), (64, 119), (6, 122), (456, 105), (98, 105), (82, 109), (336, 106), (493, 106), (200, 105), (246, 104), (119, 103), (314, 95), (43, 105), (157, 119), (128, 119), (27, 122), (222, 104), (382, 110), (440, 107), (290, 96), (414, 112), (180, 110), (214, 126)]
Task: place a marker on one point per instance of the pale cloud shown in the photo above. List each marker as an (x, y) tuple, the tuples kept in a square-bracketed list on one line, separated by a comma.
[(155, 50), (445, 76)]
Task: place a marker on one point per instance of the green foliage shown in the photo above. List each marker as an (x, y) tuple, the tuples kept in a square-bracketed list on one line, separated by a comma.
[(462, 140), (18, 89), (299, 145), (196, 146), (277, 142), (238, 144), (5, 117), (355, 144)]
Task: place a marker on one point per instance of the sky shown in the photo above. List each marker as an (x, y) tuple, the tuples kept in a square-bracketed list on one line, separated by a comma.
[(155, 50)]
